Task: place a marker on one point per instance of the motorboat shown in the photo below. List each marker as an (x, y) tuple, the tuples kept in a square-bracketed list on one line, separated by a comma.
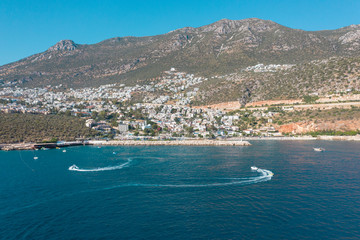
[(36, 158), (73, 168), (253, 168), (64, 150), (319, 149)]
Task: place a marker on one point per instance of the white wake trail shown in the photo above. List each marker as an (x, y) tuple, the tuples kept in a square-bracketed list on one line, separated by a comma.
[(77, 169), (266, 175)]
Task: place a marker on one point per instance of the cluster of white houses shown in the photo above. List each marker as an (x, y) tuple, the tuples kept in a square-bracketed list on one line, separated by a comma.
[(169, 110), (180, 121)]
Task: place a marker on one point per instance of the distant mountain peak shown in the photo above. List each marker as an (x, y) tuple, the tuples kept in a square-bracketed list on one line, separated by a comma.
[(225, 26), (224, 47), (354, 26), (64, 45)]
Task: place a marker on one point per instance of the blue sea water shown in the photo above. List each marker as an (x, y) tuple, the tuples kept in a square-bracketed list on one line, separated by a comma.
[(182, 192)]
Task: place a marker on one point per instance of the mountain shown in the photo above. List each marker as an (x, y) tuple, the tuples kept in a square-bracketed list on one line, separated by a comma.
[(226, 46)]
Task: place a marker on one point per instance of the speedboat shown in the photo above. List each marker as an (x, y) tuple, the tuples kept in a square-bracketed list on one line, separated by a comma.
[(253, 168), (319, 149), (73, 167), (64, 150), (36, 158)]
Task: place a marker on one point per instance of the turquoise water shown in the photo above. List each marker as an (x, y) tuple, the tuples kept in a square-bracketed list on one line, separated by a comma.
[(182, 192)]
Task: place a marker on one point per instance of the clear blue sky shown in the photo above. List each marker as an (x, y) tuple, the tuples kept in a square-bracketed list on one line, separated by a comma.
[(28, 27)]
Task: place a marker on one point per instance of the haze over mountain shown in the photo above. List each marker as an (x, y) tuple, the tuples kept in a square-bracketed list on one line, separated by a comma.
[(223, 47)]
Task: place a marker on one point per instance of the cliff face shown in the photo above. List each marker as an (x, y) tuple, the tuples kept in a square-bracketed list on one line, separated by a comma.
[(304, 127), (223, 47)]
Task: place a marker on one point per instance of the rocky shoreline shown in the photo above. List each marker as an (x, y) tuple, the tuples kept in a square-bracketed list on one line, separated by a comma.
[(172, 143), (17, 146), (32, 146), (203, 142)]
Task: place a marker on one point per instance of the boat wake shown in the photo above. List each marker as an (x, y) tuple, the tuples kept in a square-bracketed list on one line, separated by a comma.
[(265, 175), (77, 169)]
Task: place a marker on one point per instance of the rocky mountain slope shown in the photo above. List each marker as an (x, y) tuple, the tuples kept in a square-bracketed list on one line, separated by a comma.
[(317, 77), (224, 48)]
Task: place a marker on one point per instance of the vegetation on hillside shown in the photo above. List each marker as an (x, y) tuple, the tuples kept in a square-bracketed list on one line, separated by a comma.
[(18, 127), (316, 115), (220, 48), (333, 133), (305, 79)]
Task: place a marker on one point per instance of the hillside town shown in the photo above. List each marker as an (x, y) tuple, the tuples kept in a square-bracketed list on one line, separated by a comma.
[(162, 109), (165, 111)]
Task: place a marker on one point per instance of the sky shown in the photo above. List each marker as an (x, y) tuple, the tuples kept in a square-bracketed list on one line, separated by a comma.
[(32, 26)]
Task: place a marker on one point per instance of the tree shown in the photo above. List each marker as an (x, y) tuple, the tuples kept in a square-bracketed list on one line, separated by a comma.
[(102, 115), (114, 123), (189, 130), (94, 114), (310, 99), (67, 113)]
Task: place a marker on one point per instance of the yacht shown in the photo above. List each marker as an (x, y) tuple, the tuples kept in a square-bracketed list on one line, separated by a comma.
[(253, 168), (319, 149), (73, 167)]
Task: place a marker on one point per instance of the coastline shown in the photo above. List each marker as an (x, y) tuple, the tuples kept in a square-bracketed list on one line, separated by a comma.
[(191, 142), (172, 143), (31, 146)]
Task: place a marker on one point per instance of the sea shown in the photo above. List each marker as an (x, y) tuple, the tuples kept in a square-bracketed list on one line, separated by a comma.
[(183, 192)]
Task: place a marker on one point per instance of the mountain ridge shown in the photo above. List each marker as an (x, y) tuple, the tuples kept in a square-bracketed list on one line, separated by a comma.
[(222, 47)]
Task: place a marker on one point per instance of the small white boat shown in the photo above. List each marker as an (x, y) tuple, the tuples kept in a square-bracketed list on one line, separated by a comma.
[(73, 167), (114, 153), (35, 158), (64, 150), (319, 149), (253, 168)]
